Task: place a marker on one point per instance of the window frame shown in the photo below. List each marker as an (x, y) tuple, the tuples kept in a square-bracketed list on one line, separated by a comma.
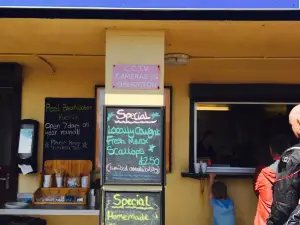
[(238, 94)]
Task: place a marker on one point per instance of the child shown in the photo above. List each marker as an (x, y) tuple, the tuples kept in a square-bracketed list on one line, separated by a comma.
[(222, 205)]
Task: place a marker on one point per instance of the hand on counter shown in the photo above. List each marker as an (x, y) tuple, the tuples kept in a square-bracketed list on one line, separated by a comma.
[(212, 176), (211, 181)]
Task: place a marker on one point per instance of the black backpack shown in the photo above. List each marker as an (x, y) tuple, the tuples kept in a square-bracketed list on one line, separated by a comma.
[(286, 189)]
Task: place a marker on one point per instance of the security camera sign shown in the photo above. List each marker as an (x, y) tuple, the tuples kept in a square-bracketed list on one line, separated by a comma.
[(134, 76)]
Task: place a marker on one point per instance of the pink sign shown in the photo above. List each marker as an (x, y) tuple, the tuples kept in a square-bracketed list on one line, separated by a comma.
[(133, 76)]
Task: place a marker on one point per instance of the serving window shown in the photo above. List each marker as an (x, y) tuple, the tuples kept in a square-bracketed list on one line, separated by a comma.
[(238, 134), (232, 124)]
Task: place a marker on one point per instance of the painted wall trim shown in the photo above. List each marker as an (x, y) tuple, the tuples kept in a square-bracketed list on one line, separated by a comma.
[(215, 15), (155, 4)]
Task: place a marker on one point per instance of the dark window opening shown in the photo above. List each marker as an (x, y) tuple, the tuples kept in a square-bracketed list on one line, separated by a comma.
[(237, 135), (6, 125)]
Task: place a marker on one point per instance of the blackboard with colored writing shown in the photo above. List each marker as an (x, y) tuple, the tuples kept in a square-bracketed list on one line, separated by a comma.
[(133, 146), (133, 208), (69, 129)]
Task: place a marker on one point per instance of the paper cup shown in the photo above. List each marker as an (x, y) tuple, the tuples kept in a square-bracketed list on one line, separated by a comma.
[(197, 168), (59, 181), (85, 182), (47, 179), (203, 167)]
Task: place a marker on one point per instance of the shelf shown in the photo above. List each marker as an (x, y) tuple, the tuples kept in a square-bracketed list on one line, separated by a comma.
[(53, 210), (200, 176), (194, 175), (231, 171), (235, 172)]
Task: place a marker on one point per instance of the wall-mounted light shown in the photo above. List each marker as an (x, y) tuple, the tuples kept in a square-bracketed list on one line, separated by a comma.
[(176, 59), (202, 107)]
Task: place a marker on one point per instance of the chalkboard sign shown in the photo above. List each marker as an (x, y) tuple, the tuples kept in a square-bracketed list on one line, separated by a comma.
[(133, 208), (133, 146), (69, 129)]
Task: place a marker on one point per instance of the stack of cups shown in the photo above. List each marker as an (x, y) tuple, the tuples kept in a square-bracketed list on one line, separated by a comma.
[(85, 182), (47, 179), (59, 181), (200, 167), (197, 168), (203, 165)]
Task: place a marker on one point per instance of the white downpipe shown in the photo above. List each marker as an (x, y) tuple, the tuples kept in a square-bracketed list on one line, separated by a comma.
[(195, 133)]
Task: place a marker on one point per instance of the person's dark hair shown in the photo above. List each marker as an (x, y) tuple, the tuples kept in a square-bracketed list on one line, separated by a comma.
[(219, 190), (279, 143)]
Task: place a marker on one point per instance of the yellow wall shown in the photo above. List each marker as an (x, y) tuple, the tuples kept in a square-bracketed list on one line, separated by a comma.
[(184, 203), (127, 47)]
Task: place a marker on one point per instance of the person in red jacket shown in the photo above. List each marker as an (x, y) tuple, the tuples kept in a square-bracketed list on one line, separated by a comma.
[(266, 177)]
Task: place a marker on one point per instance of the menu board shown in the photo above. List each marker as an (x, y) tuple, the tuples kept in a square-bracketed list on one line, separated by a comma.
[(133, 147), (133, 208), (69, 129)]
